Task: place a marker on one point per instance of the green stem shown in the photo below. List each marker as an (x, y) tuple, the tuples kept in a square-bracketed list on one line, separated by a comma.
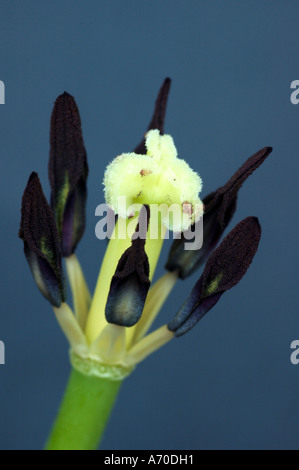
[(84, 413)]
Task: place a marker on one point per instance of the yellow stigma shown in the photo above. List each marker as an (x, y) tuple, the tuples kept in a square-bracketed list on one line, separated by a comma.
[(160, 178)]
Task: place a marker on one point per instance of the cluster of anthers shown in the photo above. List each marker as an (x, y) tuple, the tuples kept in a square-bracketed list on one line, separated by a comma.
[(109, 332)]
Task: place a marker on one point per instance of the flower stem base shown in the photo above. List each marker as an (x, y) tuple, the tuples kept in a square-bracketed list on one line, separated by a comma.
[(91, 366), (84, 413)]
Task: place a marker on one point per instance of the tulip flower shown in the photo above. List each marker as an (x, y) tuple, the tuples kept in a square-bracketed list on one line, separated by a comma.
[(152, 191)]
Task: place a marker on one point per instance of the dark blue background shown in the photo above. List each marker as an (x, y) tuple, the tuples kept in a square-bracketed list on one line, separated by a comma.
[(228, 384)]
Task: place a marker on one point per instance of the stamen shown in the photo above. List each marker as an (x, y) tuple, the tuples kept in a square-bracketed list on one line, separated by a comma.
[(71, 329), (79, 288), (156, 298), (110, 345), (148, 345)]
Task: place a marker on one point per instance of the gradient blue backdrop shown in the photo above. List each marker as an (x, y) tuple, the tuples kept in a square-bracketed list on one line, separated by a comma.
[(228, 384)]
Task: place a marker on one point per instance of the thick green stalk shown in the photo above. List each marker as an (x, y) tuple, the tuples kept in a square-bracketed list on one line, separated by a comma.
[(84, 413)]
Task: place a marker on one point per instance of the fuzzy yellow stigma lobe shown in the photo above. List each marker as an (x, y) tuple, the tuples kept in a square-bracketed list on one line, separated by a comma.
[(157, 178)]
